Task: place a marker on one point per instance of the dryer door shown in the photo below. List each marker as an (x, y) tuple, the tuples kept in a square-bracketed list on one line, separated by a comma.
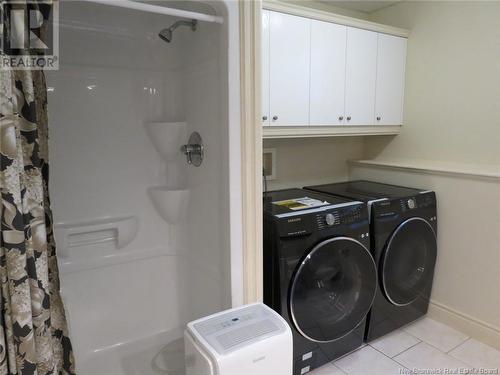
[(332, 289), (408, 260)]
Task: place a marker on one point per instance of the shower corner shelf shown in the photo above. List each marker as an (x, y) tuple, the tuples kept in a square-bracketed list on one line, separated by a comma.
[(107, 234), (170, 203), (167, 138)]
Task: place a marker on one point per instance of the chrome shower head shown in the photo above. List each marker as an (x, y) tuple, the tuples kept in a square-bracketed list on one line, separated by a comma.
[(166, 34)]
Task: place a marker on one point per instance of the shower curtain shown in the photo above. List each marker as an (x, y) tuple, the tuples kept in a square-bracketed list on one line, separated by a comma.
[(33, 330)]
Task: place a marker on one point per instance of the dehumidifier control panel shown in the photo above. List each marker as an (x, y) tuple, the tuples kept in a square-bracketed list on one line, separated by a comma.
[(235, 329)]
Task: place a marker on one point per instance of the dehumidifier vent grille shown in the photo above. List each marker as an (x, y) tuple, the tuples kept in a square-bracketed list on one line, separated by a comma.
[(246, 333)]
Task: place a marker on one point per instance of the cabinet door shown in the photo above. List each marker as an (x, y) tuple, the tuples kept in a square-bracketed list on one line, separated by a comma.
[(290, 51), (390, 80), (265, 68), (361, 71), (328, 49)]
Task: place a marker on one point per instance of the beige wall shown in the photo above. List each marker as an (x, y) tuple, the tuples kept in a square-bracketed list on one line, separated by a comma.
[(467, 277), (452, 98), (307, 161), (452, 115)]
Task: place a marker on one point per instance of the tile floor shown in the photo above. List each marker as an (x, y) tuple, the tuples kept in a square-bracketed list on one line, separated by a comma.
[(424, 347)]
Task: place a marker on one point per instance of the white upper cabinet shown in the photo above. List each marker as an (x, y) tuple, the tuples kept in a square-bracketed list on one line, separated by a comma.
[(265, 68), (328, 54), (321, 78), (361, 73), (390, 80), (289, 57)]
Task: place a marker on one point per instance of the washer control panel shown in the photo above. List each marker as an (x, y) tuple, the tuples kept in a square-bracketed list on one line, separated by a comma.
[(327, 218), (332, 218), (411, 203)]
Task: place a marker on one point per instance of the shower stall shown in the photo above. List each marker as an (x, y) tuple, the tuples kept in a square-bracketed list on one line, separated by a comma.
[(146, 241)]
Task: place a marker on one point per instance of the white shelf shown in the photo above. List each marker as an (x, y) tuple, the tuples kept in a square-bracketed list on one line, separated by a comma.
[(475, 171), (271, 132), (95, 238), (171, 204)]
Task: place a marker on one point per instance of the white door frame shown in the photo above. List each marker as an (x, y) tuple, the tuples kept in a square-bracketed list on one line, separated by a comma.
[(251, 149)]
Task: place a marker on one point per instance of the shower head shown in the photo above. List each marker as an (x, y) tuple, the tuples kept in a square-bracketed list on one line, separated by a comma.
[(166, 34)]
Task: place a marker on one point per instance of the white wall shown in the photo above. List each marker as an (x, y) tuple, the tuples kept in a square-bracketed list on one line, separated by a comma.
[(116, 75), (113, 79), (206, 228)]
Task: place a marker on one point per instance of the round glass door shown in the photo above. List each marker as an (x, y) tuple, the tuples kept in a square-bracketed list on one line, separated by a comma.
[(333, 289), (408, 261)]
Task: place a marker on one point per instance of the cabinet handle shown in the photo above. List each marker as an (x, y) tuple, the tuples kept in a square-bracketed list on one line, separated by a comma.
[(341, 118), (275, 118), (264, 118), (348, 118), (379, 118)]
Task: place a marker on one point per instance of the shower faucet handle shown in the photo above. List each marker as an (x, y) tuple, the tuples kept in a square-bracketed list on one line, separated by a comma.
[(191, 149), (194, 150)]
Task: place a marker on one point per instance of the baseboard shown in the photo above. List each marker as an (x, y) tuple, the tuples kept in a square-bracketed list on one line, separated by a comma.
[(473, 327)]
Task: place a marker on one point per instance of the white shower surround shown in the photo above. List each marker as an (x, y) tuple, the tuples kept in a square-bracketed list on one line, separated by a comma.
[(116, 75)]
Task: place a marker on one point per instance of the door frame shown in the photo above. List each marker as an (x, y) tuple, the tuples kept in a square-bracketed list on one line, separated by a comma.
[(251, 149), (250, 17)]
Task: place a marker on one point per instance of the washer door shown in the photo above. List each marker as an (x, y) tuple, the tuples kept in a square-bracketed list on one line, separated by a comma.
[(407, 263), (332, 289)]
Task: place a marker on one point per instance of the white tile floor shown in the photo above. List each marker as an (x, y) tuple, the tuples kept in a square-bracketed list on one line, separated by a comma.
[(424, 347)]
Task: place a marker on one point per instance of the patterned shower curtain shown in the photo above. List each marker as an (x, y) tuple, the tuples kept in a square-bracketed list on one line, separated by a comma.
[(33, 330)]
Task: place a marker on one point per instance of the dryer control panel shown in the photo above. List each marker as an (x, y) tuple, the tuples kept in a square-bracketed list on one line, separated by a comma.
[(424, 199), (422, 205)]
